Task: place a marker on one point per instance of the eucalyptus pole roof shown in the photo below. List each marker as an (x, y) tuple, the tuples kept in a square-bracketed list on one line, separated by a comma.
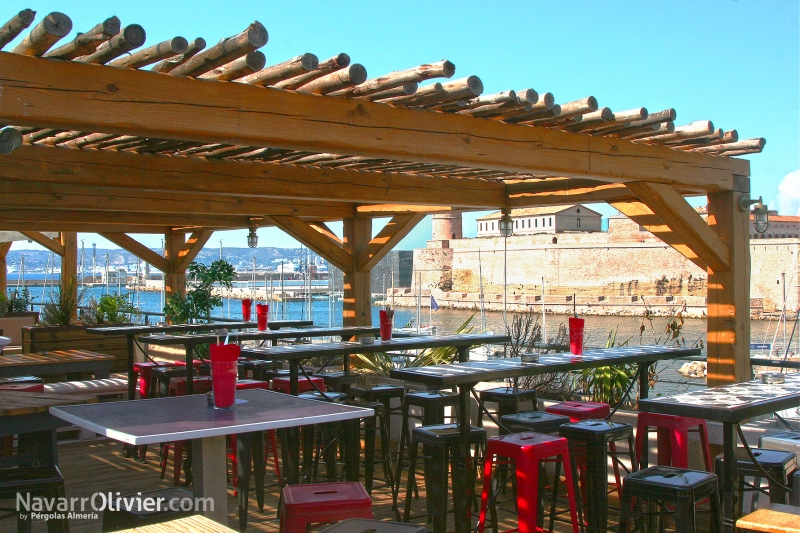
[(123, 138)]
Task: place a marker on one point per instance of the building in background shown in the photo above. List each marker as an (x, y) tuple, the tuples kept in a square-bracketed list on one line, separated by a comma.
[(546, 219)]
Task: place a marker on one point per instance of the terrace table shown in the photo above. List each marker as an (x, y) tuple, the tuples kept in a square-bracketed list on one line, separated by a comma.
[(465, 375), (729, 404), (190, 417), (190, 341), (131, 332), (25, 414), (296, 353), (56, 362)]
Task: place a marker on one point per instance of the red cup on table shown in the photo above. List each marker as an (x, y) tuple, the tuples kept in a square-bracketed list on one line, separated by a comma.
[(576, 326), (224, 359), (386, 326), (262, 311), (247, 309)]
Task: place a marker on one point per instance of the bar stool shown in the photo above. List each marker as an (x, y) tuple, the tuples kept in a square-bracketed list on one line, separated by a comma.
[(382, 393), (592, 440), (363, 525), (160, 376), (245, 368), (304, 384), (661, 484), (302, 505), (144, 371), (508, 400), (528, 451), (433, 404), (577, 411), (779, 464), (673, 439), (536, 421), (177, 386), (338, 381), (263, 370), (442, 444), (373, 427), (38, 482)]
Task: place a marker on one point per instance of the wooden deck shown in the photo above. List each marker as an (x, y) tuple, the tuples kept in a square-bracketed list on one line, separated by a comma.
[(98, 466)]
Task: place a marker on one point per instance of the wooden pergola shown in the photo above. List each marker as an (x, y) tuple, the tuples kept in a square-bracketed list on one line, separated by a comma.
[(209, 139)]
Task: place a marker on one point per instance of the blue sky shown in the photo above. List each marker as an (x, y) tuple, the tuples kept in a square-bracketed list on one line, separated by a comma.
[(732, 62)]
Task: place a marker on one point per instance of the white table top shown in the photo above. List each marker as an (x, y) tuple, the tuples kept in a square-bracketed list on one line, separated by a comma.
[(190, 417)]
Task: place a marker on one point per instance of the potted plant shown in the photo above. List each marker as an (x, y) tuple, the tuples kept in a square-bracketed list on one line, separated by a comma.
[(200, 299), (114, 309)]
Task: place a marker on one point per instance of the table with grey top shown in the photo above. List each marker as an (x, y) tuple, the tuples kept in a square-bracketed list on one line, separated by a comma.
[(191, 417), (131, 332), (465, 375), (731, 405), (189, 341)]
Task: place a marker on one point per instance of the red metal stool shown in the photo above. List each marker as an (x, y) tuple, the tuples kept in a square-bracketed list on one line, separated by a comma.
[(304, 384), (578, 411), (145, 372), (528, 450), (22, 387), (302, 505), (673, 439), (177, 386)]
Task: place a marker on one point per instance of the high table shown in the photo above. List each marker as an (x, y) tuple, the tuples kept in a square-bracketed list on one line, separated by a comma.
[(297, 352), (729, 404), (25, 414), (465, 375), (190, 417), (56, 362), (131, 332), (190, 341)]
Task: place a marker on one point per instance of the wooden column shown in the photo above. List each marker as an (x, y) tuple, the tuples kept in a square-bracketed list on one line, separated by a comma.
[(4, 248), (356, 309), (729, 290), (174, 276), (69, 262)]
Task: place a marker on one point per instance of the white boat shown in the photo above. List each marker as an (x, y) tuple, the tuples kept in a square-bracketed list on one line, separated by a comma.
[(411, 327)]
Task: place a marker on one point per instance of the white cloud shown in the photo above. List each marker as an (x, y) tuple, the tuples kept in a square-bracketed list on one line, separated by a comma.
[(788, 200)]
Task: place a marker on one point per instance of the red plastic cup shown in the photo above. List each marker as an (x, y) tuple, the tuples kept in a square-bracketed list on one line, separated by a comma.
[(247, 309), (262, 311), (576, 326), (386, 331), (224, 359)]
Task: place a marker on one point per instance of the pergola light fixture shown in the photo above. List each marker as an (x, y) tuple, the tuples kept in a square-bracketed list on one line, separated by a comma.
[(252, 238), (760, 212), (10, 140), (506, 224)]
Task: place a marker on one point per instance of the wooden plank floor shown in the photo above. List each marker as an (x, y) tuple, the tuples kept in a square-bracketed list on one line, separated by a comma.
[(98, 466)]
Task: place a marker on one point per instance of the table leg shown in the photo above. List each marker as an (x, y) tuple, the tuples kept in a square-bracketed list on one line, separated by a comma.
[(352, 449), (131, 375), (463, 354), (294, 372), (462, 490), (597, 487), (210, 477), (189, 370), (644, 380), (728, 483)]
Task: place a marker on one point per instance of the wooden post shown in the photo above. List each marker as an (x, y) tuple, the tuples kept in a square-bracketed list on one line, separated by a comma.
[(69, 262), (174, 277), (4, 248), (356, 309), (729, 290)]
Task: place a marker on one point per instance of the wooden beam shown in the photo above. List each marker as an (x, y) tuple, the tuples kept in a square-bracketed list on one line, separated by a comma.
[(317, 240), (729, 293), (69, 265), (174, 278), (138, 249), (685, 222), (51, 244), (390, 210), (391, 234), (104, 168), (193, 245), (607, 192), (4, 248), (72, 96), (644, 216), (325, 230), (47, 226), (90, 198), (357, 294)]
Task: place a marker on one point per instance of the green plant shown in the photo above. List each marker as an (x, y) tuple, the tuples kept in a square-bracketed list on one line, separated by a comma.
[(199, 299), (608, 384), (18, 301), (62, 308), (115, 308), (381, 363)]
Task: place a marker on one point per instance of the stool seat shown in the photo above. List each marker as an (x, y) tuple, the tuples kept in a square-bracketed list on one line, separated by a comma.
[(22, 387), (378, 392), (577, 411), (322, 502), (247, 384), (537, 421), (675, 480), (432, 398), (444, 434), (304, 384), (335, 397), (336, 381), (362, 525), (595, 431), (779, 464), (503, 394)]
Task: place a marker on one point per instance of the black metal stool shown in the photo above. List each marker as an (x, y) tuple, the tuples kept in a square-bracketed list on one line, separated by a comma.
[(779, 464), (537, 421), (442, 445), (338, 381), (122, 518), (266, 370), (382, 393), (37, 481), (247, 366), (373, 427), (660, 484), (508, 400), (433, 404), (362, 525), (589, 444)]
